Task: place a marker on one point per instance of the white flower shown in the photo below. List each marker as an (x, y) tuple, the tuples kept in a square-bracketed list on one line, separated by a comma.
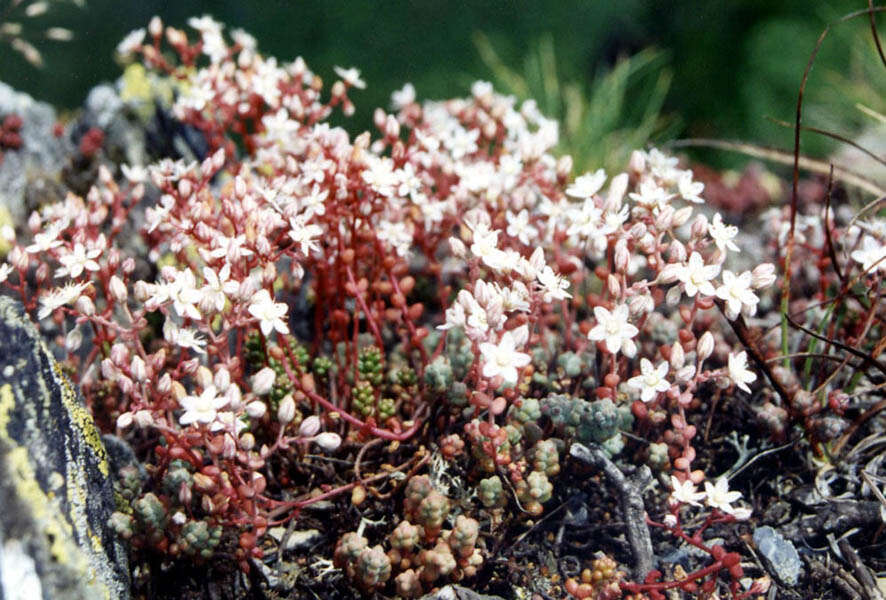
[(303, 234), (737, 293), (78, 260), (45, 241), (58, 297), (615, 330), (5, 270), (719, 496), (651, 380), (871, 253), (502, 358), (696, 276), (131, 42), (587, 185), (269, 313), (651, 195), (403, 97), (739, 372), (218, 287), (184, 338), (553, 286), (485, 248), (520, 228), (689, 189), (202, 408), (723, 234), (184, 294), (398, 235), (351, 77), (684, 492)]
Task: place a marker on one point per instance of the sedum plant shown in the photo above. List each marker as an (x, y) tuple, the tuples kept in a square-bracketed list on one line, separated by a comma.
[(300, 290)]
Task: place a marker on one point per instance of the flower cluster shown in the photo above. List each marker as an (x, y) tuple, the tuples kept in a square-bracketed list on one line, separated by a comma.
[(299, 290)]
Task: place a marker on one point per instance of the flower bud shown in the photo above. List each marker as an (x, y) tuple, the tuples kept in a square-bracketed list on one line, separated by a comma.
[(118, 289), (457, 247), (677, 251), (328, 441), (109, 371), (85, 306), (682, 216), (309, 427), (256, 409), (622, 256), (139, 369), (613, 285), (124, 420), (699, 226), (178, 390), (164, 386), (144, 418), (203, 377), (229, 447), (142, 291), (18, 258), (763, 275), (263, 381), (286, 410), (705, 346), (673, 296), (119, 354), (155, 27), (247, 441), (685, 374), (677, 355), (392, 127), (73, 340), (665, 218), (637, 162), (564, 166), (641, 304)]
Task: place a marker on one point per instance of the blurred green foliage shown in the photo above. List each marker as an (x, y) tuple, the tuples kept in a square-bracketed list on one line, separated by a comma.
[(727, 65)]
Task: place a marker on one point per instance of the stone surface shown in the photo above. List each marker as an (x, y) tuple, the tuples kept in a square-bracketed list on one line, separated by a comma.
[(779, 554), (55, 493), (38, 163), (457, 592)]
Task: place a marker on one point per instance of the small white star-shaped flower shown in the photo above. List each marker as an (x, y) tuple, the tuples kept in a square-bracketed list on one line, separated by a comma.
[(718, 495), (503, 358), (739, 372), (269, 313), (614, 330), (651, 380), (685, 492), (696, 276), (738, 294), (723, 234)]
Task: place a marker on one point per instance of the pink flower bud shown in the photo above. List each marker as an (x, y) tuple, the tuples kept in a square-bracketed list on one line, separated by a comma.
[(286, 410), (144, 418), (118, 289), (622, 256), (247, 441), (682, 216), (685, 375), (677, 355), (124, 420), (18, 258), (190, 366), (637, 162), (138, 369), (705, 346), (142, 291), (763, 275), (34, 222), (328, 442), (85, 306), (203, 377), (229, 446), (677, 251), (641, 304), (665, 218), (155, 27), (378, 118), (673, 296), (164, 386), (42, 273), (185, 187), (392, 127), (699, 226), (73, 340), (263, 381), (613, 285), (119, 354), (564, 166), (125, 384), (256, 409), (309, 427)]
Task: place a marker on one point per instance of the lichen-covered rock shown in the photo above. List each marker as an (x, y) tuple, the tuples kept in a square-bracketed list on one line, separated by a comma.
[(55, 491), (34, 168)]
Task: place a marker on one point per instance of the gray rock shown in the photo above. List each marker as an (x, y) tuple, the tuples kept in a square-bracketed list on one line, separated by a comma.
[(41, 156), (124, 134), (457, 592), (55, 491), (779, 554)]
